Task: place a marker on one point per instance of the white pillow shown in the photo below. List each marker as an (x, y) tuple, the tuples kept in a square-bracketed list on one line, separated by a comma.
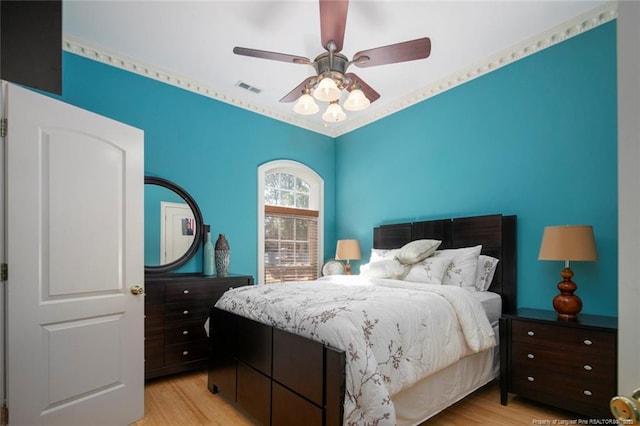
[(430, 270), (463, 268), (415, 251), (380, 254), (486, 269), (385, 268)]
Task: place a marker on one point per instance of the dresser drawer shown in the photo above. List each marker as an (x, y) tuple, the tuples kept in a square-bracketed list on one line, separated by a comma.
[(154, 294), (187, 311), (189, 291), (186, 352), (597, 343), (185, 331), (153, 352)]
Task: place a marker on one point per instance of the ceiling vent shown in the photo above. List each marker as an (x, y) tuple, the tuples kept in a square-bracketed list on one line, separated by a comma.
[(248, 87)]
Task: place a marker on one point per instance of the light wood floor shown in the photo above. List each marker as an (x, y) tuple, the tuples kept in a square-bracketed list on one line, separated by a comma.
[(184, 400)]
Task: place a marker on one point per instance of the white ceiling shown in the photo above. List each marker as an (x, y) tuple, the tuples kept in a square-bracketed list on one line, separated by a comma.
[(189, 44)]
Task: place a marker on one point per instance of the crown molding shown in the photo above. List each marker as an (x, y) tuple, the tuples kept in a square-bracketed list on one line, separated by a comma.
[(596, 17)]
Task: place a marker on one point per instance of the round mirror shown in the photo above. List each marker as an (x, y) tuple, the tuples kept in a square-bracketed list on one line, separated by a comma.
[(171, 242)]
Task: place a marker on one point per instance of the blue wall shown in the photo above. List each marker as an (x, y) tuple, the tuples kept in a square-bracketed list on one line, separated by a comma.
[(210, 148), (537, 138)]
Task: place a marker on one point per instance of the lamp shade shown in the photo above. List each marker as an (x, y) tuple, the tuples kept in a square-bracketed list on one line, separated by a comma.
[(327, 90), (356, 101), (334, 113), (306, 105), (568, 243), (348, 250)]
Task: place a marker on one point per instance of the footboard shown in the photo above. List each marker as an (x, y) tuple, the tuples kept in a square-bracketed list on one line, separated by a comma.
[(278, 377)]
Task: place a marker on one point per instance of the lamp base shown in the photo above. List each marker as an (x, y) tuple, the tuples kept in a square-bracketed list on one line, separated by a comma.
[(567, 304), (347, 269)]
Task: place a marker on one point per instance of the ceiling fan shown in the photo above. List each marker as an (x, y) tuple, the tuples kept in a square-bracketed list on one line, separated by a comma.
[(331, 66)]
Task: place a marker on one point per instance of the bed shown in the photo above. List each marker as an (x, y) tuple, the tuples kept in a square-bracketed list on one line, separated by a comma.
[(281, 373)]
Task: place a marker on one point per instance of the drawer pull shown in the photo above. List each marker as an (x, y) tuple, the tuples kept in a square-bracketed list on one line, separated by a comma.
[(185, 313), (531, 333), (185, 291), (531, 356), (588, 367), (531, 378), (185, 332), (185, 353), (588, 342), (587, 392)]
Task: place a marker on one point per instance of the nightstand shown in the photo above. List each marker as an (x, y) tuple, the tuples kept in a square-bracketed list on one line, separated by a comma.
[(568, 364)]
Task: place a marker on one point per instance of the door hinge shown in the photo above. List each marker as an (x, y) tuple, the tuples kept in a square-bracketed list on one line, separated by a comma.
[(4, 272), (4, 415), (3, 127)]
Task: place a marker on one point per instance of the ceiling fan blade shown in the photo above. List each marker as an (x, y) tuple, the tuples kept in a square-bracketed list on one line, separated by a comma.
[(274, 56), (368, 91), (400, 52), (333, 20), (299, 90)]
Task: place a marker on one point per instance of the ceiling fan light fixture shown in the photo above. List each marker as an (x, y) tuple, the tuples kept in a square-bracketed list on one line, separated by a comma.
[(327, 90), (306, 105), (356, 101), (334, 113)]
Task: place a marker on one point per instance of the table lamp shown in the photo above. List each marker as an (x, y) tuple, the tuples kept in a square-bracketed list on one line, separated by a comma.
[(568, 243), (348, 250)]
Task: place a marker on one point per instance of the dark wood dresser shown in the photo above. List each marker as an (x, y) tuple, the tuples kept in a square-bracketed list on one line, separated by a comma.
[(176, 308), (568, 364)]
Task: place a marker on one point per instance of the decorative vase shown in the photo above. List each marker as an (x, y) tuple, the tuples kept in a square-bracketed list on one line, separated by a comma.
[(223, 255), (208, 261)]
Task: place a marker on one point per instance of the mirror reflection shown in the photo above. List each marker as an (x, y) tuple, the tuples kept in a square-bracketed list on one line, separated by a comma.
[(172, 225)]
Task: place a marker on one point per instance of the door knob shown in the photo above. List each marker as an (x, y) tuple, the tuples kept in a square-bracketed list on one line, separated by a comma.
[(625, 409), (137, 290)]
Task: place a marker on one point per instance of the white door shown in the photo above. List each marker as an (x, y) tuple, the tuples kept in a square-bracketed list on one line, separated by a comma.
[(177, 232), (74, 249)]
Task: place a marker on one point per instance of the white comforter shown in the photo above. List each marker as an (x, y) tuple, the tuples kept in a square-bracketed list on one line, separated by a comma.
[(394, 332)]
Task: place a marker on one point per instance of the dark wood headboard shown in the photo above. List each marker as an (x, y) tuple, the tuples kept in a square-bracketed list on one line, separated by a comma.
[(496, 233)]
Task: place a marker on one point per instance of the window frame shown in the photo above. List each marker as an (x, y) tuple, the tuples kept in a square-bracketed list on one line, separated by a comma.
[(316, 202)]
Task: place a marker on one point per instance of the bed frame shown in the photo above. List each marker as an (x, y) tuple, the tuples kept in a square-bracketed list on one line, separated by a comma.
[(280, 378)]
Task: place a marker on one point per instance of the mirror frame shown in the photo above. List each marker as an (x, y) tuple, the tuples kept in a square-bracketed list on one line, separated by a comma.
[(199, 226)]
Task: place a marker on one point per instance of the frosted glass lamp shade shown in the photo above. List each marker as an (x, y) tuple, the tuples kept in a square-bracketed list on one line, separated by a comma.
[(306, 105), (334, 113), (356, 101), (327, 90)]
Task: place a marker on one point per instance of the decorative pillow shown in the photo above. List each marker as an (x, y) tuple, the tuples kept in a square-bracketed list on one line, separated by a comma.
[(380, 254), (463, 268), (385, 268), (430, 270), (486, 269), (417, 250)]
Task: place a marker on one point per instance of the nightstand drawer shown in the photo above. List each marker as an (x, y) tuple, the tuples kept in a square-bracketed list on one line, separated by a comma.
[(562, 391), (565, 363), (563, 338)]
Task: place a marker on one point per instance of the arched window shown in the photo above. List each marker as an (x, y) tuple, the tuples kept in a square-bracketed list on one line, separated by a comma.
[(290, 222)]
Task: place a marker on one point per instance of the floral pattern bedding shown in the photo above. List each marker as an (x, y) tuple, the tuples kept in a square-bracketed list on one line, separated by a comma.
[(394, 332)]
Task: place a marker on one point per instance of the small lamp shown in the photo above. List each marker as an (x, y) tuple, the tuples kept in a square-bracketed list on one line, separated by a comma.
[(348, 250), (569, 242)]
